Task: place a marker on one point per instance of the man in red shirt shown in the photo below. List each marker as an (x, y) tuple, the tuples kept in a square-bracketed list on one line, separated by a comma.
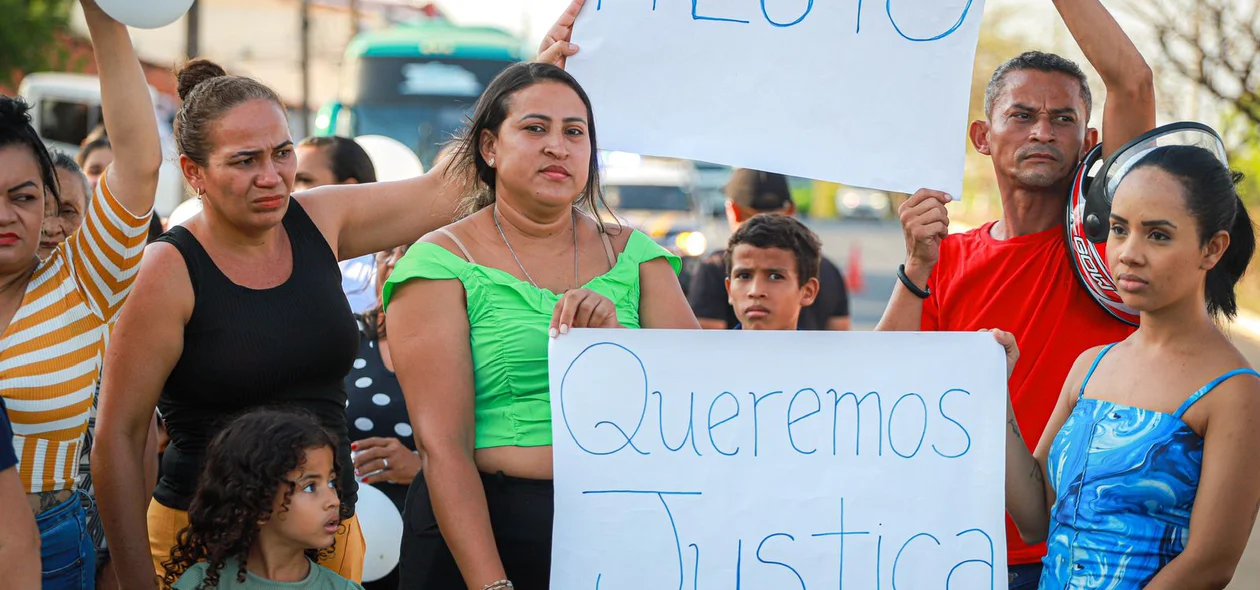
[(1014, 273)]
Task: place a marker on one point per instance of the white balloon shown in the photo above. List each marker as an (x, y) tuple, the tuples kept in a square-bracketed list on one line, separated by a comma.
[(392, 159), (183, 212), (145, 14), (382, 527)]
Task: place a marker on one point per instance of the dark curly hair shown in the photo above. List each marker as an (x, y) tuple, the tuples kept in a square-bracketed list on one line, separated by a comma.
[(246, 465), (774, 230), (16, 130)]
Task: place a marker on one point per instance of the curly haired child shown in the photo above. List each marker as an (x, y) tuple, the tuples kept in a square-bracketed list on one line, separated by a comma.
[(266, 505)]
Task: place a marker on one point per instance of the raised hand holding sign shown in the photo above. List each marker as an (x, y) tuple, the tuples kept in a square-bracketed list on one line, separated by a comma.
[(861, 93), (556, 47)]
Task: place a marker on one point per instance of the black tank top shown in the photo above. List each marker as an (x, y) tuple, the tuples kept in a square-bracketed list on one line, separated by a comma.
[(290, 345)]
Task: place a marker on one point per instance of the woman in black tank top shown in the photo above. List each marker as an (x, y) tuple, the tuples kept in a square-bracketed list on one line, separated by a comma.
[(291, 344), (239, 308)]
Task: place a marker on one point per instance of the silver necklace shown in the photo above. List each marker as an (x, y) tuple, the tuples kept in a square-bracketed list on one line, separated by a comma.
[(572, 229)]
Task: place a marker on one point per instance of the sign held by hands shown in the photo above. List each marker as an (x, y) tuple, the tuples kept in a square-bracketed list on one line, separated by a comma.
[(822, 460), (864, 93)]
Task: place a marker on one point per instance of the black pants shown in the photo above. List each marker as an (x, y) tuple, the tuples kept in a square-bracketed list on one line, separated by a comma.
[(521, 512)]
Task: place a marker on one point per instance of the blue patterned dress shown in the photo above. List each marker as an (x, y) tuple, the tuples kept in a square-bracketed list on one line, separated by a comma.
[(1125, 480)]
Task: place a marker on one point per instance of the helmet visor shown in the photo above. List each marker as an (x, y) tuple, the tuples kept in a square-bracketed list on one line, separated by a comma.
[(1186, 134)]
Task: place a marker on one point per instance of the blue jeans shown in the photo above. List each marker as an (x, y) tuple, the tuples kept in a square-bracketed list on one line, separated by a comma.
[(66, 551), (1024, 577)]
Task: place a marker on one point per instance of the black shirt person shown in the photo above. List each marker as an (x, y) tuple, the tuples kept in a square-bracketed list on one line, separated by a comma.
[(748, 193)]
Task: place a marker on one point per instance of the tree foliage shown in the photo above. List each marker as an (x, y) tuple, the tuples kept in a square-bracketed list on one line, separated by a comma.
[(28, 36), (1214, 44)]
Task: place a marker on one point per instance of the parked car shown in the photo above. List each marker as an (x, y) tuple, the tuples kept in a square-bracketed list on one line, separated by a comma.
[(66, 107), (860, 203), (656, 196)]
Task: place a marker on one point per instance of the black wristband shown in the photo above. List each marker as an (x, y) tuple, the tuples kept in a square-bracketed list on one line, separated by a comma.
[(909, 284)]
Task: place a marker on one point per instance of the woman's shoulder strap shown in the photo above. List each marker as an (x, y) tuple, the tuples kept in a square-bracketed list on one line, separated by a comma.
[(1206, 389), (458, 244), (190, 249), (1094, 367)]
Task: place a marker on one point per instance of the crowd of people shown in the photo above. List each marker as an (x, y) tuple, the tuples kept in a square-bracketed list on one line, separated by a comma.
[(196, 406)]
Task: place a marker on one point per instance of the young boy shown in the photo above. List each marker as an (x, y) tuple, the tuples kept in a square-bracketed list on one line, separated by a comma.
[(751, 192), (772, 263)]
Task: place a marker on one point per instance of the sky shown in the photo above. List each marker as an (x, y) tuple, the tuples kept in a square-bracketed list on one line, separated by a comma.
[(530, 18)]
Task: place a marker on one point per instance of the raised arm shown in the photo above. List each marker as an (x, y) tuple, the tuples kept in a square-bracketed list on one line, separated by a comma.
[(147, 342), (128, 112), (1229, 491), (359, 219), (1130, 107), (428, 333)]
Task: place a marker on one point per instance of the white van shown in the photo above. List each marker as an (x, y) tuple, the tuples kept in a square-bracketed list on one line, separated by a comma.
[(66, 107)]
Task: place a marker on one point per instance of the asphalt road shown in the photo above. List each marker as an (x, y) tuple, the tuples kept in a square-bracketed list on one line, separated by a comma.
[(877, 247)]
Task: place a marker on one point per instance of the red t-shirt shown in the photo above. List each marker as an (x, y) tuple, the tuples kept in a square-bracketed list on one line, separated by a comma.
[(1026, 286)]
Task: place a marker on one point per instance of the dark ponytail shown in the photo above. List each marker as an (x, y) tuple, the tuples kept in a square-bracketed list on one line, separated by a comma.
[(1234, 262), (16, 129), (1213, 201)]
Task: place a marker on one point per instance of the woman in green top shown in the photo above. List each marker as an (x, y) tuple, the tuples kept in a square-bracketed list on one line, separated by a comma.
[(470, 310)]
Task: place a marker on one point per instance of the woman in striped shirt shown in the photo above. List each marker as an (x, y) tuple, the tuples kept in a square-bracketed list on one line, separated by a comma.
[(54, 314)]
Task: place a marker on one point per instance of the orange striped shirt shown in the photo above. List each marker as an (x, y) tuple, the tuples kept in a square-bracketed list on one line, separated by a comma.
[(51, 353)]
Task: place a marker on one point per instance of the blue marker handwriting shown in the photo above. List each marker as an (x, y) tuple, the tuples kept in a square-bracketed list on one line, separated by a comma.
[(777, 554), (818, 421), (786, 14)]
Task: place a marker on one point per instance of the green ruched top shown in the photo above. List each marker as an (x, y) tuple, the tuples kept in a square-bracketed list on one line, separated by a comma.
[(508, 320)]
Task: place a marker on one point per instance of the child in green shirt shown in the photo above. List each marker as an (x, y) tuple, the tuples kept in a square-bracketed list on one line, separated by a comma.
[(266, 505)]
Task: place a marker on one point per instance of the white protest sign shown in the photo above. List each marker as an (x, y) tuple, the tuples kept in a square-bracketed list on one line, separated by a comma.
[(778, 460), (871, 94)]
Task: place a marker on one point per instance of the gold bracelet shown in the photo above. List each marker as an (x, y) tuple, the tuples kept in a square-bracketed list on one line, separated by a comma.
[(500, 585)]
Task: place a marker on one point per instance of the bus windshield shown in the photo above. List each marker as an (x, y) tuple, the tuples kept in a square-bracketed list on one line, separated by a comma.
[(423, 126), (420, 102), (401, 79)]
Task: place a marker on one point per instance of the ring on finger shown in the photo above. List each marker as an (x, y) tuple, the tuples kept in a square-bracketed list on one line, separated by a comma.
[(386, 462)]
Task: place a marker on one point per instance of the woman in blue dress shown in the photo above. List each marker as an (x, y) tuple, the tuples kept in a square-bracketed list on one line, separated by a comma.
[(1148, 475)]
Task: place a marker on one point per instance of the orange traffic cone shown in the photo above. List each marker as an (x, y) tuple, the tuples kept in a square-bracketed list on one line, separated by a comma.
[(853, 279)]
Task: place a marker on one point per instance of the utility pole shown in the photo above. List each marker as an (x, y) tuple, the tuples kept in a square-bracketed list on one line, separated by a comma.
[(354, 18), (306, 66), (192, 35)]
